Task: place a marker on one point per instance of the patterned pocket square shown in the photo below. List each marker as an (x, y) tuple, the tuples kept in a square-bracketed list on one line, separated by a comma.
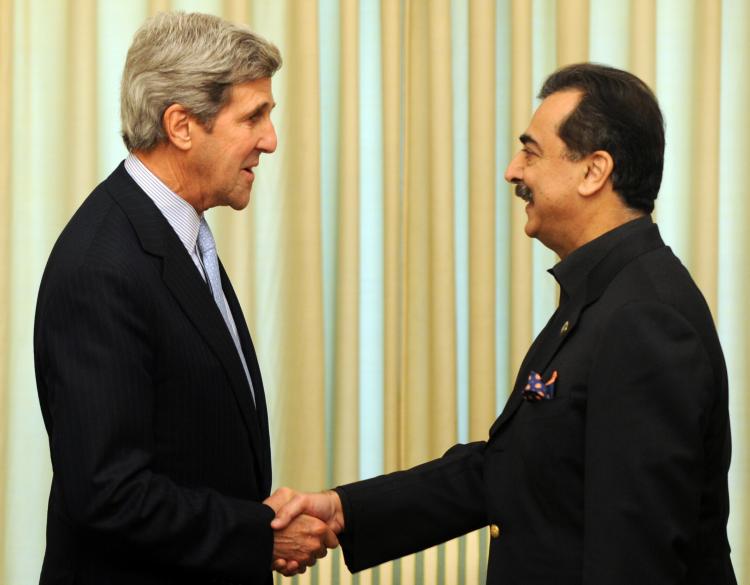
[(537, 390)]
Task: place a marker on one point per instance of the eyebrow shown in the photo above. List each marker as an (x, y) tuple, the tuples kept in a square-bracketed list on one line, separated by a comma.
[(527, 139), (260, 108)]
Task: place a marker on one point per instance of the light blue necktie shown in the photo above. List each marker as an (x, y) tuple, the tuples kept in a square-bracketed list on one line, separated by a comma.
[(207, 249)]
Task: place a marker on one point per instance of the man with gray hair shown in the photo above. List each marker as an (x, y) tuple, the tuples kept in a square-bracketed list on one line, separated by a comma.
[(147, 377)]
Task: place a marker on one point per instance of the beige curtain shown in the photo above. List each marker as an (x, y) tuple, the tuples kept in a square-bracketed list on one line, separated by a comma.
[(6, 29), (460, 297)]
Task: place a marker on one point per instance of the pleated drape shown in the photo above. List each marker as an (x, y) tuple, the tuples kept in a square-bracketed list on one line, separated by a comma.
[(6, 81), (382, 264), (731, 260)]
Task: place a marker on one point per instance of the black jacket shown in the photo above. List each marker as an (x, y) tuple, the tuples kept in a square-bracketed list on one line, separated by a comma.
[(160, 458), (620, 479)]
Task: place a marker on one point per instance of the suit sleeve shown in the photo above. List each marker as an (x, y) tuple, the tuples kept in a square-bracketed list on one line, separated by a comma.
[(650, 387), (394, 515), (93, 337)]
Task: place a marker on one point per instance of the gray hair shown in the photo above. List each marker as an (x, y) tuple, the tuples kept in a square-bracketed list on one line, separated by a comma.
[(189, 59)]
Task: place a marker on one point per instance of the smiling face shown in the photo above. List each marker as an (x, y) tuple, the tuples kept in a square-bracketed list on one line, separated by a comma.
[(547, 178), (222, 159)]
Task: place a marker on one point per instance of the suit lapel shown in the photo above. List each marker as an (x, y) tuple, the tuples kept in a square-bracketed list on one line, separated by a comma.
[(545, 343), (186, 285), (563, 322)]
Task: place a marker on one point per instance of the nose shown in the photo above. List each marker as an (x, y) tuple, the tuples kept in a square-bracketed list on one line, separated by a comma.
[(268, 140), (514, 174)]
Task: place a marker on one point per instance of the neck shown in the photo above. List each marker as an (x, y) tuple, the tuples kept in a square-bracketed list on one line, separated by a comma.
[(171, 171), (598, 224)]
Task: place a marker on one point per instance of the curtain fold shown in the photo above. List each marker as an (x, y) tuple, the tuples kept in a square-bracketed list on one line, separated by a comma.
[(642, 52), (572, 31), (732, 263), (346, 310), (297, 260), (429, 367), (705, 170), (80, 158), (482, 181), (441, 388), (392, 74), (6, 82), (521, 315)]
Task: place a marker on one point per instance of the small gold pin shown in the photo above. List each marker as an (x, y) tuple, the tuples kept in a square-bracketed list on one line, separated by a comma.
[(564, 329)]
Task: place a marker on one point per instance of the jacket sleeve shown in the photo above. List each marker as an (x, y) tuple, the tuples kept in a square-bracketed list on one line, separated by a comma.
[(394, 515), (651, 385), (97, 358)]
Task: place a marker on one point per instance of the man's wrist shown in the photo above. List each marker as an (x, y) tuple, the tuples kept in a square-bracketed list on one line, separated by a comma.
[(338, 515)]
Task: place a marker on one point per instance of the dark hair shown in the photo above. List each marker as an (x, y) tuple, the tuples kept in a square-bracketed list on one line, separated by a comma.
[(617, 113)]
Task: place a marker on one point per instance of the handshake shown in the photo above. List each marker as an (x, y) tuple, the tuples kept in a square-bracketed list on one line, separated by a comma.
[(305, 527)]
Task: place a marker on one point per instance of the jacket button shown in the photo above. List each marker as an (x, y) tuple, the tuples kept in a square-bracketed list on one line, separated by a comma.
[(494, 531), (564, 328)]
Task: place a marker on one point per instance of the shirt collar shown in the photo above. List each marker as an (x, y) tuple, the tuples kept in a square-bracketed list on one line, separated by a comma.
[(571, 273), (182, 216)]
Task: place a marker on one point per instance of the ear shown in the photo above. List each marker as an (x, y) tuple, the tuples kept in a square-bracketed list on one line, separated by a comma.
[(177, 125), (598, 170)]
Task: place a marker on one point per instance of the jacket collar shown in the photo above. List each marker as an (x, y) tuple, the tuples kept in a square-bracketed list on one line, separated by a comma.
[(572, 272)]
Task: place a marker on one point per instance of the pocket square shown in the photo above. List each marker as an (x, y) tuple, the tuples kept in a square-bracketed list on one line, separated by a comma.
[(537, 390)]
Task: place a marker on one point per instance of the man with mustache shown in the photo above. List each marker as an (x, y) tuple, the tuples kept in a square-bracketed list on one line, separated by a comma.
[(608, 464), (147, 377)]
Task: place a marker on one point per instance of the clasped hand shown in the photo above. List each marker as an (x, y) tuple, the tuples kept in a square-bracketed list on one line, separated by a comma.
[(305, 527)]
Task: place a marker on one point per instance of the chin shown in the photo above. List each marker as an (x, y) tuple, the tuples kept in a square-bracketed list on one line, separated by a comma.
[(240, 205), (531, 228), (239, 200)]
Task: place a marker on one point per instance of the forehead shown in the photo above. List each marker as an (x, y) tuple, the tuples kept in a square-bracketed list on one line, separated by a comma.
[(251, 94), (552, 112)]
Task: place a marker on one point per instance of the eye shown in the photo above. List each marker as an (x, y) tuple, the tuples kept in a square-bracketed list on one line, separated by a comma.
[(255, 117)]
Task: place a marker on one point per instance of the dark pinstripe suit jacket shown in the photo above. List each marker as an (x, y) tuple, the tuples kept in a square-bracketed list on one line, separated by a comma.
[(160, 458)]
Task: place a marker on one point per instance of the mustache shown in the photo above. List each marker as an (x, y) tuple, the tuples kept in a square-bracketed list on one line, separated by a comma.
[(524, 192)]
